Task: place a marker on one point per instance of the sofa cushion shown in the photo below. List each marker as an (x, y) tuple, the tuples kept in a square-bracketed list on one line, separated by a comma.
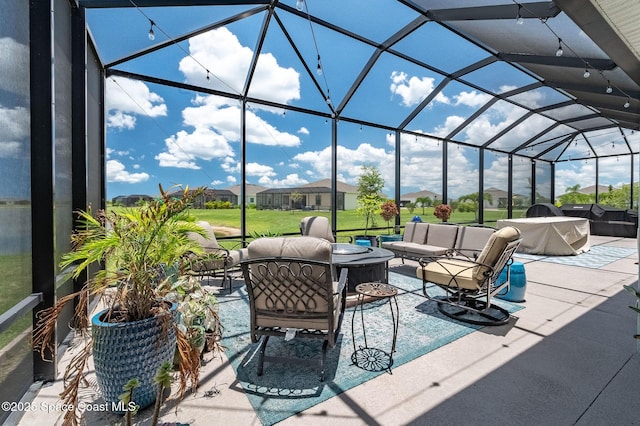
[(472, 239), (415, 232), (442, 235)]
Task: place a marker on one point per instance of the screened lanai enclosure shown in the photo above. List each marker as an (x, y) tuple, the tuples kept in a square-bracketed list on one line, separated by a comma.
[(99, 99), (450, 98)]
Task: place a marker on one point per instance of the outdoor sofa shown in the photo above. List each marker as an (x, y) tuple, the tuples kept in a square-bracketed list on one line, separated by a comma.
[(433, 239)]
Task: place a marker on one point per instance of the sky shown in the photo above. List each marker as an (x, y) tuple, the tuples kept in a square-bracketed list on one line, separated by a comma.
[(169, 136)]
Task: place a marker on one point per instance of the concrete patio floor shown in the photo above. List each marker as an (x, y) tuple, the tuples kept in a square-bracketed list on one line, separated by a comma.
[(568, 358)]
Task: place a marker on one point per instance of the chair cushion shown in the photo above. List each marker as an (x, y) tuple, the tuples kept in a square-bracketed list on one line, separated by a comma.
[(317, 226), (209, 243), (450, 272), (238, 255), (300, 247), (494, 248)]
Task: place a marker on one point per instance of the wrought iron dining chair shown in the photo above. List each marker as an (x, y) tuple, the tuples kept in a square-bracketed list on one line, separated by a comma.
[(470, 283), (222, 260), (293, 294)]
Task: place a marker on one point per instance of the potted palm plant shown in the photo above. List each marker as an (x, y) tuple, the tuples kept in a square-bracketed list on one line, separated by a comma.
[(135, 248)]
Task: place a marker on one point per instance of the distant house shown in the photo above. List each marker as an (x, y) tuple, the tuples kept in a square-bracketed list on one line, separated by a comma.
[(250, 192), (500, 199), (602, 189), (130, 200), (226, 195), (200, 201), (312, 196), (413, 197)]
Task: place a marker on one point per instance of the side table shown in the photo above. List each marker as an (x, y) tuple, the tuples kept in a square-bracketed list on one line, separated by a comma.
[(365, 357)]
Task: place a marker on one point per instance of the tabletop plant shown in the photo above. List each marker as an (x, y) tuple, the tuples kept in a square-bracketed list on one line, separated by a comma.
[(133, 247)]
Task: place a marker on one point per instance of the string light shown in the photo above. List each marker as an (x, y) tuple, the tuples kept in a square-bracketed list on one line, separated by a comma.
[(559, 52), (151, 35), (300, 5), (519, 19), (319, 68)]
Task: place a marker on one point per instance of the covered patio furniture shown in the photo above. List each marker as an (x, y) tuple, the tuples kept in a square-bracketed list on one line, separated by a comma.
[(293, 294), (470, 284), (552, 235)]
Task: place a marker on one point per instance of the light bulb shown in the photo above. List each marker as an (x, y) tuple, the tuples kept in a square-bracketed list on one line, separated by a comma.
[(586, 74), (300, 5), (609, 89), (319, 69), (519, 19), (559, 52), (626, 104), (151, 35)]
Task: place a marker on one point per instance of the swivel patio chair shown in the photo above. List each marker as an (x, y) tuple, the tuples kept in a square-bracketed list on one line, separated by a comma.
[(317, 226), (292, 294), (470, 283)]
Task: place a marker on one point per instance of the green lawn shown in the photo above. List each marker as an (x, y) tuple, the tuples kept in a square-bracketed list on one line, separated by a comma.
[(349, 222), (16, 285)]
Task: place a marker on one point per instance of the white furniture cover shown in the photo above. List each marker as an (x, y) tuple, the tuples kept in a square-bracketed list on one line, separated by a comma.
[(557, 236)]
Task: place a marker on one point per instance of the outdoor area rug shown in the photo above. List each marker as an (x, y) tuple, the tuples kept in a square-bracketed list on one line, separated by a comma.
[(597, 257), (284, 390)]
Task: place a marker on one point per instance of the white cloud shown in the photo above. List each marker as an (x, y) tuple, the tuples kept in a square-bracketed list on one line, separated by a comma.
[(14, 131), (9, 149), (450, 124), (216, 121), (289, 181), (413, 90), (14, 65), (120, 120), (220, 52), (303, 130), (216, 124), (256, 169), (125, 98), (183, 149), (116, 173), (349, 162), (472, 99), (231, 180)]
